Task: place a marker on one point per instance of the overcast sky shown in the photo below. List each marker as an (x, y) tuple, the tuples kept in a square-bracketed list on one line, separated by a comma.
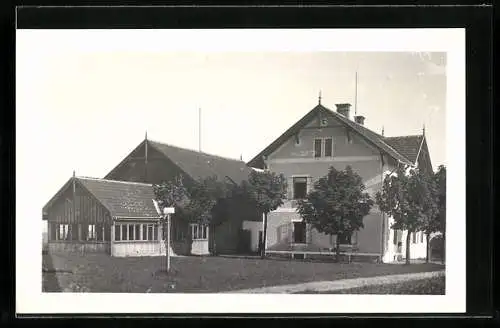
[(86, 108)]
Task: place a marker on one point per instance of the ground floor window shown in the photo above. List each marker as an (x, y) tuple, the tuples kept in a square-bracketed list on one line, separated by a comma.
[(345, 239), (421, 237), (62, 232), (91, 235), (199, 231), (136, 232)]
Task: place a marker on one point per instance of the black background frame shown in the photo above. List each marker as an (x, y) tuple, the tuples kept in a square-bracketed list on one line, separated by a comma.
[(479, 106)]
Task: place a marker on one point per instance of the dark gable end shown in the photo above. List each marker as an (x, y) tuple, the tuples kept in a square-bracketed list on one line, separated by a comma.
[(371, 137), (165, 162), (199, 165)]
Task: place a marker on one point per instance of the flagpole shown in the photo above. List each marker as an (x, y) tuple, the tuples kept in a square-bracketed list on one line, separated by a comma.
[(356, 95)]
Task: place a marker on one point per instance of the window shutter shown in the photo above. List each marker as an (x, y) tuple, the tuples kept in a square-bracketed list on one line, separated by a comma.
[(310, 184)]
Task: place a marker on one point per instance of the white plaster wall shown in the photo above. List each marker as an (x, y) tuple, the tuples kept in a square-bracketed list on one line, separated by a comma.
[(254, 227), (136, 248), (140, 248), (200, 247), (275, 220), (418, 250)]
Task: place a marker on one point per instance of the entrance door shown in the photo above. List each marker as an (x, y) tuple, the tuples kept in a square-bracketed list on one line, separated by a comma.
[(299, 232)]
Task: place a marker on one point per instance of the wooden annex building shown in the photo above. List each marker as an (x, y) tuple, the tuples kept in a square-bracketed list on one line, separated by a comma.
[(97, 215)]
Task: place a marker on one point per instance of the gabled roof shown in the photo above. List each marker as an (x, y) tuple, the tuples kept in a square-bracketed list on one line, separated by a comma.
[(199, 165), (120, 198), (408, 146), (374, 138)]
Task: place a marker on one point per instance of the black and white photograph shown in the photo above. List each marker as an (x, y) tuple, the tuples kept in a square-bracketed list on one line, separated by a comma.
[(240, 170)]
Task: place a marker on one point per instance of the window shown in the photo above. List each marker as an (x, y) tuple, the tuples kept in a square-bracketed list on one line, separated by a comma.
[(150, 231), (124, 232), (199, 231), (118, 235), (328, 147), (299, 187), (137, 232), (63, 232), (91, 235), (421, 237), (414, 237), (317, 147), (131, 232), (344, 239), (99, 229), (395, 238)]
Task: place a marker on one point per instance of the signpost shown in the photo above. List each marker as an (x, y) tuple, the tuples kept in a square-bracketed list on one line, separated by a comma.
[(167, 211)]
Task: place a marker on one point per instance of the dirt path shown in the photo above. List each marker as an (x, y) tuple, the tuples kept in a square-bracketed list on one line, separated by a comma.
[(324, 286)]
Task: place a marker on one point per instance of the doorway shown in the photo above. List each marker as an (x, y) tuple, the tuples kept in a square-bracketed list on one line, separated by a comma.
[(299, 232)]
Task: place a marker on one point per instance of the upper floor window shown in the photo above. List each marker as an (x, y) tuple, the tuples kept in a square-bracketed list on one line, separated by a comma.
[(299, 187), (317, 147), (328, 147), (323, 147)]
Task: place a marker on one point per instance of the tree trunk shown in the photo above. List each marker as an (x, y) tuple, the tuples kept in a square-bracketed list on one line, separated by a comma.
[(337, 249), (428, 250), (264, 237), (408, 239)]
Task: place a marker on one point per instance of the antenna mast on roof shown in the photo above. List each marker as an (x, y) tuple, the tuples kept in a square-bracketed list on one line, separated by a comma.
[(356, 95)]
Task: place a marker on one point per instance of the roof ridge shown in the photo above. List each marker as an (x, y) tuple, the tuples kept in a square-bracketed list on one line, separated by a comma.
[(406, 136), (381, 138), (117, 181), (197, 152)]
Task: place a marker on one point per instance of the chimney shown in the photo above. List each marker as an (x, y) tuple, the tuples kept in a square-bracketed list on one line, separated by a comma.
[(360, 119), (343, 109)]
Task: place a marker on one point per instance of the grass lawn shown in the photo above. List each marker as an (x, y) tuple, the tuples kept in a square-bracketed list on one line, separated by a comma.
[(431, 286), (102, 273)]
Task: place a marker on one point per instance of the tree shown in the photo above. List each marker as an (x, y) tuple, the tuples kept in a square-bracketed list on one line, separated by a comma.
[(440, 183), (173, 194), (408, 197), (337, 204), (266, 190)]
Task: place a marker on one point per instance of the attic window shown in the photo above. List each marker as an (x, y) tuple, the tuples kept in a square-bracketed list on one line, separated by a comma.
[(323, 122)]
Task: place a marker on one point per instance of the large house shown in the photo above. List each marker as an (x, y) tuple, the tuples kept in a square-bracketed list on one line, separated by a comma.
[(304, 153)]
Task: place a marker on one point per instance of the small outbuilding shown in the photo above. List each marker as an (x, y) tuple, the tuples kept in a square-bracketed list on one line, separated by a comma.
[(106, 216)]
